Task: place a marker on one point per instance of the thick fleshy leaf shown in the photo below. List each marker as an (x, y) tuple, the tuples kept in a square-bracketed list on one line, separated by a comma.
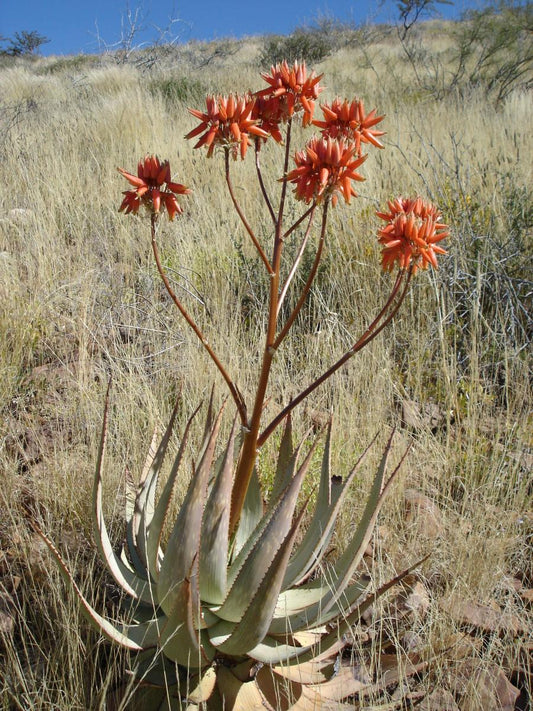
[(200, 687), (281, 693), (306, 673), (145, 500), (134, 637), (334, 641), (347, 563), (253, 626), (271, 651), (251, 515), (155, 528), (331, 494), (237, 695), (182, 551), (303, 608), (286, 464), (133, 517), (130, 582), (247, 573), (214, 540), (181, 639)]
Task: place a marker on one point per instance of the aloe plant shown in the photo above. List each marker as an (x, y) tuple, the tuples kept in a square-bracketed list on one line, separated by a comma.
[(246, 615), (237, 607)]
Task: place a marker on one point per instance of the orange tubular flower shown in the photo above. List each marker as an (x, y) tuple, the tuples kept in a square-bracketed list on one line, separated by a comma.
[(268, 113), (348, 120), (325, 166), (410, 236), (293, 89), (151, 176), (226, 122)]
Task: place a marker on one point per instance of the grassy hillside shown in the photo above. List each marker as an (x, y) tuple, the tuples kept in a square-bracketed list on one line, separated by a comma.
[(81, 301)]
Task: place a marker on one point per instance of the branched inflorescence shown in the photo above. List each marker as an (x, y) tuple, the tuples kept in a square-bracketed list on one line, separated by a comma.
[(238, 608)]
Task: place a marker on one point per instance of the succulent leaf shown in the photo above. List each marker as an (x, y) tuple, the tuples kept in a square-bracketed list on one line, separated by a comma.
[(155, 528), (145, 500), (330, 497), (286, 463), (333, 642), (251, 515), (238, 695), (181, 639), (134, 637), (251, 629), (184, 543), (130, 582), (314, 615), (214, 541), (272, 651), (246, 574), (201, 687), (353, 554)]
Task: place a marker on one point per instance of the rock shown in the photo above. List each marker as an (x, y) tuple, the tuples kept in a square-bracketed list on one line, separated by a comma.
[(422, 416)]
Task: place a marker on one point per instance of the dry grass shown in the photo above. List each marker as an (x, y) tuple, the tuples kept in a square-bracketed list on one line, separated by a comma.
[(80, 300)]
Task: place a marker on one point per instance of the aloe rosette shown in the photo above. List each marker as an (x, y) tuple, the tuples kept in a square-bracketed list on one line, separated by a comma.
[(239, 620)]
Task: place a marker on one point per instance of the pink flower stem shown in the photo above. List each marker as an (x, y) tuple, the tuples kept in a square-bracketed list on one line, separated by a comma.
[(299, 221), (261, 181), (310, 278), (243, 218), (371, 332), (238, 398)]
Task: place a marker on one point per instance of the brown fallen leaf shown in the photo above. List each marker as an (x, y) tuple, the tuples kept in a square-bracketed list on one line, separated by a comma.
[(487, 618), (483, 687), (7, 616), (526, 594), (439, 700)]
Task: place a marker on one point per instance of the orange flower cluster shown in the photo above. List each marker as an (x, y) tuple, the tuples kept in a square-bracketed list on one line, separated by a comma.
[(269, 114), (151, 176), (410, 236), (226, 122), (347, 120), (292, 89), (326, 166)]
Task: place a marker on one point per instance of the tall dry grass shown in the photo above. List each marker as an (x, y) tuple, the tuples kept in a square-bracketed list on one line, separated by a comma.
[(81, 301)]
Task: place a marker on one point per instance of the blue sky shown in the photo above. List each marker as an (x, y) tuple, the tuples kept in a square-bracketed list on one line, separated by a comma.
[(75, 27)]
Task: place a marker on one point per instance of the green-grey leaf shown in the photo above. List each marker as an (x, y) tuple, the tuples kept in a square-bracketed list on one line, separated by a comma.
[(184, 542), (145, 500), (253, 626), (334, 641), (286, 463), (214, 540), (181, 639), (252, 563), (134, 637), (331, 494), (353, 554), (251, 515), (134, 585), (155, 528)]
